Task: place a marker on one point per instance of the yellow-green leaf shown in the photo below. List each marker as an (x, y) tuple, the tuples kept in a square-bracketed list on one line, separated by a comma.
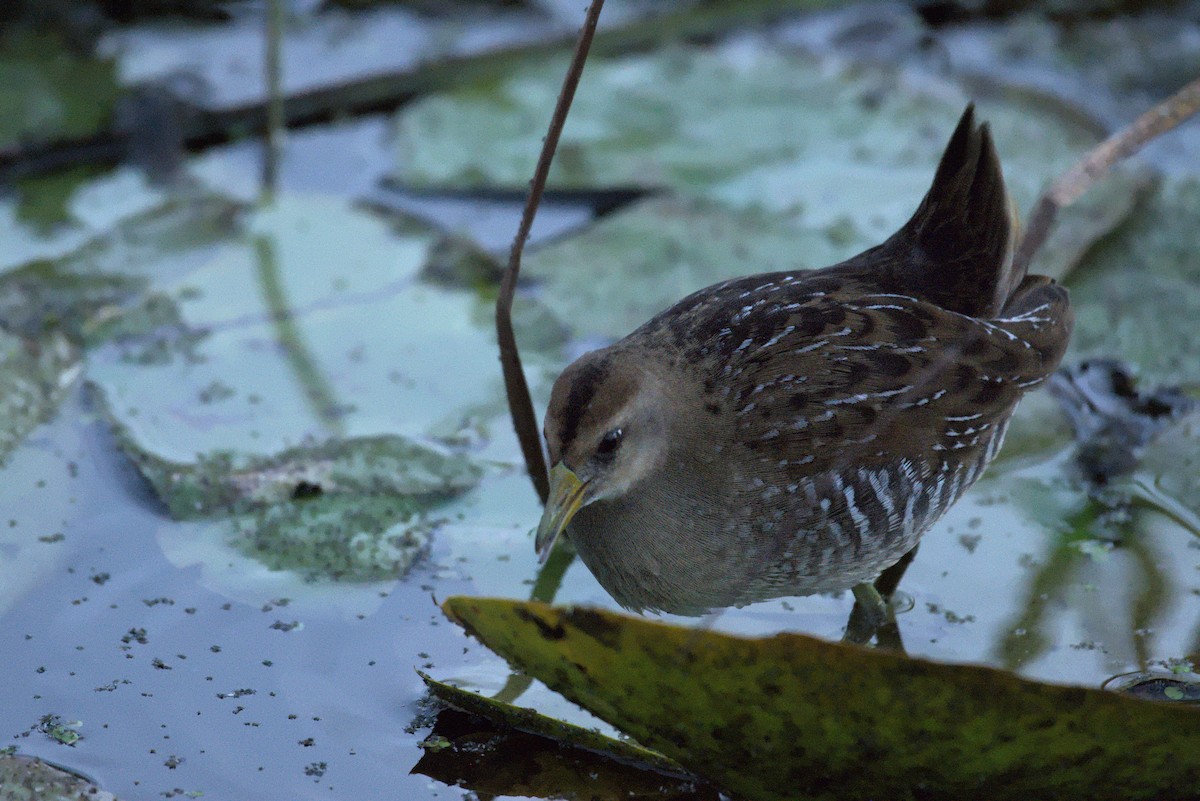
[(791, 716)]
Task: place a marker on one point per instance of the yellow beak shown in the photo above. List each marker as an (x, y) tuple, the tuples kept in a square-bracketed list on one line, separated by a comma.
[(566, 496)]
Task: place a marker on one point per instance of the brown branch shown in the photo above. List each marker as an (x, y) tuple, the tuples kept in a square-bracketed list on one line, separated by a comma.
[(1067, 188), (520, 405)]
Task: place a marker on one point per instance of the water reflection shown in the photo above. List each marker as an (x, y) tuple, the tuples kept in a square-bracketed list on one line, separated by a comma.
[(470, 752)]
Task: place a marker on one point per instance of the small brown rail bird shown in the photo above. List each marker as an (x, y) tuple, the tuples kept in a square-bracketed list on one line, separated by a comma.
[(796, 432)]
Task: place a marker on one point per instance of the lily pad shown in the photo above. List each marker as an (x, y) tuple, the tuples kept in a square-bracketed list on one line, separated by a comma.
[(612, 277), (791, 716), (233, 482), (311, 392), (693, 118)]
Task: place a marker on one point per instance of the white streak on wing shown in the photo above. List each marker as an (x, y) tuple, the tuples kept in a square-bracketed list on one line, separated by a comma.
[(856, 514)]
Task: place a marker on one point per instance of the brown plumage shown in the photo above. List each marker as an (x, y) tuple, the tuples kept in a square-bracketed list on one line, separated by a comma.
[(796, 432)]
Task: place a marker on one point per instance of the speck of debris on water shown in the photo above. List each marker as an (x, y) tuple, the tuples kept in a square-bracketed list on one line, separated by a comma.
[(969, 541)]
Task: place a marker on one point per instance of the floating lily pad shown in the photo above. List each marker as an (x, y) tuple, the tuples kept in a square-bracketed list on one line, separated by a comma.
[(750, 118), (233, 482), (791, 716), (327, 400), (622, 270), (34, 376)]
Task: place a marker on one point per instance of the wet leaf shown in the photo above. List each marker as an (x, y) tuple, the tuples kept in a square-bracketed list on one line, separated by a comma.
[(692, 118), (306, 390), (103, 288), (791, 715)]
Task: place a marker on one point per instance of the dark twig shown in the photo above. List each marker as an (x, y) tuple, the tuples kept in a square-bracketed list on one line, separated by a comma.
[(519, 403), (1067, 188)]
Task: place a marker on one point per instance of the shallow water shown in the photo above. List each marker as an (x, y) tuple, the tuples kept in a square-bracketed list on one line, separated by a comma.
[(194, 668)]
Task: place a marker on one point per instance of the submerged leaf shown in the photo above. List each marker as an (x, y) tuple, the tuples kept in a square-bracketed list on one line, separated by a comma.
[(790, 715)]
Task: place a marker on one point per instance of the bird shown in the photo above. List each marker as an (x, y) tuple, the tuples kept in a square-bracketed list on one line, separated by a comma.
[(791, 433)]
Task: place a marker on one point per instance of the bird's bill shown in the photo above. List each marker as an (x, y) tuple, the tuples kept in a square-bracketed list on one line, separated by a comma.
[(566, 496)]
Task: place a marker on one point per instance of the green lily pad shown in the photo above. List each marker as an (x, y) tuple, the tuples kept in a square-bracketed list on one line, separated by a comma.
[(693, 118), (308, 391), (34, 377), (791, 716)]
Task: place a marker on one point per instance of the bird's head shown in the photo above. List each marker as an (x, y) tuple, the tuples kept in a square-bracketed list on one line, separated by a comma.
[(606, 430)]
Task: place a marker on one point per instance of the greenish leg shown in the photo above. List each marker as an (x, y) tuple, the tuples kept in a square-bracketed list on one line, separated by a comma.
[(873, 615)]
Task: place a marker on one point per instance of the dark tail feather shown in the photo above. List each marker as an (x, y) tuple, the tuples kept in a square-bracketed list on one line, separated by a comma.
[(957, 250)]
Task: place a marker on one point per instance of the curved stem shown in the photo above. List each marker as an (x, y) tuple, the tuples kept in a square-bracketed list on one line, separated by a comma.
[(1067, 188), (520, 404)]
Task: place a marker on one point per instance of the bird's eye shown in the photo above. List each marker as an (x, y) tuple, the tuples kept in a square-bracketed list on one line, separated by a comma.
[(610, 442)]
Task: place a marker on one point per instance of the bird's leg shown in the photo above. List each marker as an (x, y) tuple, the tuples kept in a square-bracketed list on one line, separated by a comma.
[(873, 613)]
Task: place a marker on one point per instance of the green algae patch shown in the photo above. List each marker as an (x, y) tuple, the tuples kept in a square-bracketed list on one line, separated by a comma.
[(533, 722), (34, 377), (792, 716)]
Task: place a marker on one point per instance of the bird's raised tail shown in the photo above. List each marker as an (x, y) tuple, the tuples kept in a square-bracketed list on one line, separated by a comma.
[(957, 249)]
